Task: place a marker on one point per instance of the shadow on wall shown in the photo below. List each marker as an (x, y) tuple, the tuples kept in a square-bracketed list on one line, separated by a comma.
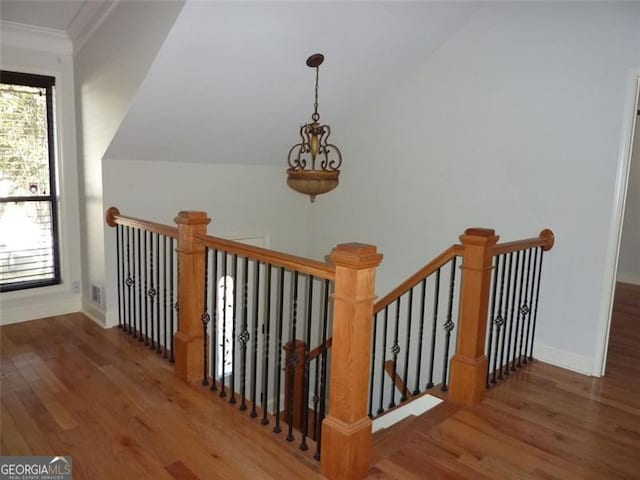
[(629, 262)]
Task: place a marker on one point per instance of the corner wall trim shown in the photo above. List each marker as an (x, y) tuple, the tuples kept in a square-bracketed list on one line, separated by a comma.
[(564, 359)]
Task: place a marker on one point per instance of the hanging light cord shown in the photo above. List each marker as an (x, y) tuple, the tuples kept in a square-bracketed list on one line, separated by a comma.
[(316, 116)]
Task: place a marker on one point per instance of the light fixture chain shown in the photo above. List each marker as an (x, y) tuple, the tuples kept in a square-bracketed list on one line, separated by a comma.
[(315, 117)]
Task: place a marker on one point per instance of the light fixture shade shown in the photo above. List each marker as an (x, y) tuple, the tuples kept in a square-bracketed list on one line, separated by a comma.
[(312, 182), (314, 163)]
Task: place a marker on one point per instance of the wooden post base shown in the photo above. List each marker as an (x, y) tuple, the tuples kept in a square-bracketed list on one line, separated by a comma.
[(468, 379), (189, 357), (351, 460)]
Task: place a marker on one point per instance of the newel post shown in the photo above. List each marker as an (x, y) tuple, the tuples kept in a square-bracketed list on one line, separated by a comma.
[(346, 431), (469, 365), (188, 338)]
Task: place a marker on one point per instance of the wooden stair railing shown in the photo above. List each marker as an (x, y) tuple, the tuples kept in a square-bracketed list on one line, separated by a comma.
[(346, 430), (442, 259)]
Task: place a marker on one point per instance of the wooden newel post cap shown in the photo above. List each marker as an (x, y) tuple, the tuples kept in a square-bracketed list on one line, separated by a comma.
[(356, 255), (192, 218), (479, 236), (112, 213), (549, 239)]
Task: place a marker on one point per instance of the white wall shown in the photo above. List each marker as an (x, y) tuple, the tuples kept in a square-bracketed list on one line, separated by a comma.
[(47, 52), (109, 68), (240, 200), (514, 123), (629, 262)]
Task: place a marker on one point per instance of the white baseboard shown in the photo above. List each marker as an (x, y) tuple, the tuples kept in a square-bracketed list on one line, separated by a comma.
[(95, 313), (632, 278), (562, 358), (416, 407), (27, 308)]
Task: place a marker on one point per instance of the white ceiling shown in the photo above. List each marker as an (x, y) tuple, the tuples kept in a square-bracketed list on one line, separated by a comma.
[(76, 18), (55, 14), (230, 84)]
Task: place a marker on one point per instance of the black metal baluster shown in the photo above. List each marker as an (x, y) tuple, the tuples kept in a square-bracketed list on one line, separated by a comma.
[(534, 252), (157, 297), (316, 399), (383, 358), (492, 316), (145, 254), (504, 370), (448, 325), (514, 309), (305, 380), (278, 367), (140, 294), (234, 318), (518, 310), (535, 309), (434, 331), (172, 298), (524, 310), (165, 304), (423, 294), (293, 355), (499, 322), (254, 353), (151, 293), (205, 319), (323, 371), (407, 347), (244, 334), (129, 282), (118, 259), (395, 349), (178, 299), (214, 324), (266, 334), (373, 366), (223, 341)]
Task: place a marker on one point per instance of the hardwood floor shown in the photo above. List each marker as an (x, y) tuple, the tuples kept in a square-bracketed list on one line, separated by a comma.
[(544, 423), (68, 387)]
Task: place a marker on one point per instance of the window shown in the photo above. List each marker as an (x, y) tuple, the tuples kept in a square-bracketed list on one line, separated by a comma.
[(29, 254)]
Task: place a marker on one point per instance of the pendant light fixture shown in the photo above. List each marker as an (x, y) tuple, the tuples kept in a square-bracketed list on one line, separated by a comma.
[(314, 164)]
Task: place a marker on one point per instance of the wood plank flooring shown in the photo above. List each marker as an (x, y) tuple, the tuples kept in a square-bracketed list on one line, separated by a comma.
[(68, 387), (543, 423)]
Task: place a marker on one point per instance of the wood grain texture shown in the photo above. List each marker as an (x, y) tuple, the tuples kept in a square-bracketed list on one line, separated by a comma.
[(469, 364), (69, 387), (191, 280), (416, 278), (346, 430), (544, 422), (114, 218), (278, 259)]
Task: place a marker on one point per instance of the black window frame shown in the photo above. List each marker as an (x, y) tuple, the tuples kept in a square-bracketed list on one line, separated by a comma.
[(47, 83)]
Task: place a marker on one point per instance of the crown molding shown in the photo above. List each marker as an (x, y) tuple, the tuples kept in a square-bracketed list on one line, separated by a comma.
[(30, 37), (89, 17)]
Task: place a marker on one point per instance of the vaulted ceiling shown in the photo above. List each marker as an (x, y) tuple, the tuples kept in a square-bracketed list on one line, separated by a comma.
[(230, 84)]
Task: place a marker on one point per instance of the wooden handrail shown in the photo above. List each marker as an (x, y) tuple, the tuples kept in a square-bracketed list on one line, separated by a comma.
[(416, 278), (320, 348), (279, 259), (544, 240), (114, 218)]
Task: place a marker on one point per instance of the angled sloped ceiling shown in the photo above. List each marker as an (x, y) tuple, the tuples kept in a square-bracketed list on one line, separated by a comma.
[(230, 83)]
